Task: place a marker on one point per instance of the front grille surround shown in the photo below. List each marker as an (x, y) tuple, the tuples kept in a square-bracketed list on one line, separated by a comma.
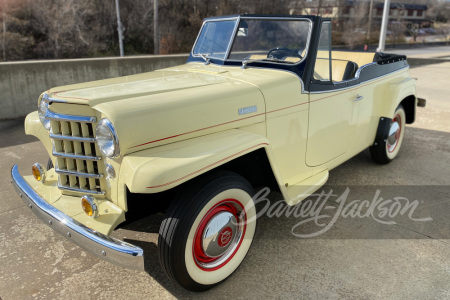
[(79, 163)]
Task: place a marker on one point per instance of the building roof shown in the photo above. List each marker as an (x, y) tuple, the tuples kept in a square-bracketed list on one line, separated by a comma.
[(404, 6)]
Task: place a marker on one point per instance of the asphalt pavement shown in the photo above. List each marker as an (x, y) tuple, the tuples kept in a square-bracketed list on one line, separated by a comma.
[(356, 258)]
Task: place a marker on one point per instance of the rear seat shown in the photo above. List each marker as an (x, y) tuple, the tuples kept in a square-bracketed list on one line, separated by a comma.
[(360, 58), (343, 72), (344, 63), (341, 69), (258, 56)]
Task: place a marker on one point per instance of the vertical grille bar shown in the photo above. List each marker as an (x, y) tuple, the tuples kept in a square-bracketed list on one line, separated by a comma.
[(73, 139), (87, 151), (78, 149)]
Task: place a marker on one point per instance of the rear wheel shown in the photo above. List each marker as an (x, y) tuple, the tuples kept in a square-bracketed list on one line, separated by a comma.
[(385, 151), (207, 231)]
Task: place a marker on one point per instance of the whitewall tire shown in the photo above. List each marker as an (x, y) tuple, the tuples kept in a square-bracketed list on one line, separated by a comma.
[(208, 230), (385, 151)]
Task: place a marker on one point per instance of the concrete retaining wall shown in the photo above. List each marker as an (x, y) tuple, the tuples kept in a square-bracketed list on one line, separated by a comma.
[(21, 83)]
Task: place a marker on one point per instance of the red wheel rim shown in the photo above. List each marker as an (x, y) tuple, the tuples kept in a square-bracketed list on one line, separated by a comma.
[(225, 237)]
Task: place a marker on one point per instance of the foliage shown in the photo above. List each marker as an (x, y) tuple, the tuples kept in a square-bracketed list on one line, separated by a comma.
[(53, 29)]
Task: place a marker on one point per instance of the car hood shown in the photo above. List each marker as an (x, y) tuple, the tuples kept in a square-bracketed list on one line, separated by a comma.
[(128, 87), (177, 103)]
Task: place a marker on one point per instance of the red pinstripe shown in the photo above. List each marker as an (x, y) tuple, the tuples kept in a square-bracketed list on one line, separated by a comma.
[(174, 136), (205, 168), (69, 97)]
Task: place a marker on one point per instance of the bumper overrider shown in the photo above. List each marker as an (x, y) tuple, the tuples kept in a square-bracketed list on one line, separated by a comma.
[(105, 247)]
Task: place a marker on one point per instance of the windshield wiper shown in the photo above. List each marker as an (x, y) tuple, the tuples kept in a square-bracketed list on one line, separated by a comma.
[(246, 62)]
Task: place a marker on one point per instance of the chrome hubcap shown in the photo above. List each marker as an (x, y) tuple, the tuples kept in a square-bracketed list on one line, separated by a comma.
[(218, 234), (394, 134)]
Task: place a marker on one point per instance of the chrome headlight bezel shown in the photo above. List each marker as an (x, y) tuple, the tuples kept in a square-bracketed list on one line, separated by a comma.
[(106, 138), (92, 203), (42, 111)]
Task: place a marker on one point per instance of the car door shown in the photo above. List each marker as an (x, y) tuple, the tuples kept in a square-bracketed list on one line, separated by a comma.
[(364, 108), (332, 119)]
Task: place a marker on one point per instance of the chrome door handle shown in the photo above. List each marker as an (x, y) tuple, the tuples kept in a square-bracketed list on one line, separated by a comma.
[(358, 98)]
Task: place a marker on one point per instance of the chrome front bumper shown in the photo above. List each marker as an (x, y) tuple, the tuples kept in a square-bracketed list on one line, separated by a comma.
[(105, 247)]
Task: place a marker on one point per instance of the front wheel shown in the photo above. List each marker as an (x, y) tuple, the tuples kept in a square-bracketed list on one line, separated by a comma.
[(207, 231), (385, 151)]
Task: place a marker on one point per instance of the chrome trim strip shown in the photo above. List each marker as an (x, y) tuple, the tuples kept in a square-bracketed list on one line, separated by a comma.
[(60, 117), (385, 75), (336, 90), (103, 246), (72, 189), (46, 98), (72, 138), (364, 66), (361, 83), (79, 174), (230, 43), (75, 156)]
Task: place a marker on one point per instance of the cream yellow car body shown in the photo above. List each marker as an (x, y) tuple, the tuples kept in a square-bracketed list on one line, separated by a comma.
[(168, 137), (249, 108)]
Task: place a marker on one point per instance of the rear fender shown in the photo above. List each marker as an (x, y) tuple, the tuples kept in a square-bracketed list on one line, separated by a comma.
[(395, 93)]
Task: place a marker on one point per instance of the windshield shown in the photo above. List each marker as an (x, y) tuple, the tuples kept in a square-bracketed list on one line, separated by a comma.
[(282, 41), (214, 39)]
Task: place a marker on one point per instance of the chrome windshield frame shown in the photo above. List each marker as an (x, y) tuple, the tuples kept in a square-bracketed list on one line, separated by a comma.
[(238, 19)]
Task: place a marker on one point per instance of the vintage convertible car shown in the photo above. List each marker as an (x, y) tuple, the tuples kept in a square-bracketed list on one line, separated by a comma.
[(262, 101)]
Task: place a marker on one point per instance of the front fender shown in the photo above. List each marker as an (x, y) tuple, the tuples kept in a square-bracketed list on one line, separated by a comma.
[(162, 168), (33, 126)]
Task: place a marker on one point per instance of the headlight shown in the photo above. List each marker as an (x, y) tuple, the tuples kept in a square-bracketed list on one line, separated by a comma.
[(106, 138), (42, 110)]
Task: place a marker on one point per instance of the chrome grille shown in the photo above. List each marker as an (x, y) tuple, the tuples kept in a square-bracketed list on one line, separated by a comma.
[(78, 161)]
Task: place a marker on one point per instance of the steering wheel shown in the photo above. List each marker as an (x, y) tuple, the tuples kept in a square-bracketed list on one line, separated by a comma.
[(280, 52)]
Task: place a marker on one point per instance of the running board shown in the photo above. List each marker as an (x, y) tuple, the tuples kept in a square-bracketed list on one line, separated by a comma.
[(303, 189)]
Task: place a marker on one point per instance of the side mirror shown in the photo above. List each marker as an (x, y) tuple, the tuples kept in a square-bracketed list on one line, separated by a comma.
[(243, 28), (242, 31)]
